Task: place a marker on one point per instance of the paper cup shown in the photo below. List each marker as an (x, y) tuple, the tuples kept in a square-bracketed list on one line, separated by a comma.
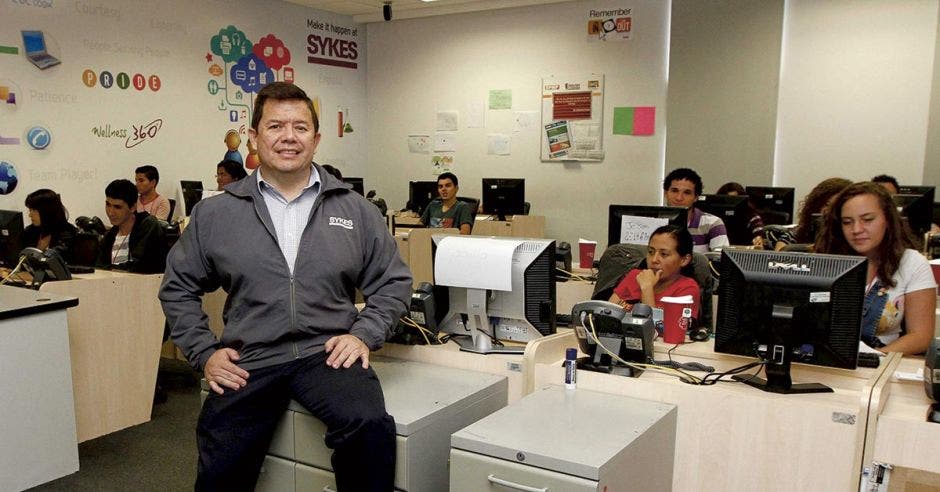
[(586, 252), (677, 319)]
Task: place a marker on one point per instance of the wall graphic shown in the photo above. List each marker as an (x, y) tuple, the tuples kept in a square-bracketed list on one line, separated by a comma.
[(245, 68)]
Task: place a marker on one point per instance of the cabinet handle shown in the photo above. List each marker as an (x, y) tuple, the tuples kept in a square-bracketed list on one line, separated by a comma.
[(514, 485)]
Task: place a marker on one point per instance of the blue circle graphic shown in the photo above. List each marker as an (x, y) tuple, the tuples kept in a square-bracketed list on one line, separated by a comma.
[(8, 179), (38, 137)]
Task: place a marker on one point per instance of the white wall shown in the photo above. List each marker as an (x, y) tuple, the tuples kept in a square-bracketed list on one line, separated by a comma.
[(419, 66), (169, 38), (854, 90)]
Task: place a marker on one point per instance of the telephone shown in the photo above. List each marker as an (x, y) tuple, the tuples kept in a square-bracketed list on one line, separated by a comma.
[(629, 335)]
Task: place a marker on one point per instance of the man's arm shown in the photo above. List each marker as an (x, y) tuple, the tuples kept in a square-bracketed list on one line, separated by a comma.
[(463, 218), (386, 284), (187, 278), (717, 235), (161, 209)]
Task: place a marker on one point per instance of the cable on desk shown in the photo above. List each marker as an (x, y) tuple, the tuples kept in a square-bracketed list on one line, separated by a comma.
[(576, 276)]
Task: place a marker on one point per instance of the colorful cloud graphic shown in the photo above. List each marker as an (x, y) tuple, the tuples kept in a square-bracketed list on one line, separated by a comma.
[(272, 51), (230, 43), (251, 74)]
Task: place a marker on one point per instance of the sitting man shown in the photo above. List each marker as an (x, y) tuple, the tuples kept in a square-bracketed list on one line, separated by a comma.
[(447, 211), (292, 329), (136, 241), (150, 201), (682, 188)]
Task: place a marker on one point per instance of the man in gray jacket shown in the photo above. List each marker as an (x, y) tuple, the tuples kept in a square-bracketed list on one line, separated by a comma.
[(290, 245)]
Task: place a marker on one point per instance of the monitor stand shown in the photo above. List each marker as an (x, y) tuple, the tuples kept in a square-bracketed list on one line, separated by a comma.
[(481, 331), (778, 379)]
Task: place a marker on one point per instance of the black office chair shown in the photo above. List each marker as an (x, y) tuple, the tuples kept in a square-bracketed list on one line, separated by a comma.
[(526, 206), (85, 249), (169, 217)]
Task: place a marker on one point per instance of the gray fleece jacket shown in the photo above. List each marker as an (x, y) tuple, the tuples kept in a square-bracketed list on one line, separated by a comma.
[(271, 316)]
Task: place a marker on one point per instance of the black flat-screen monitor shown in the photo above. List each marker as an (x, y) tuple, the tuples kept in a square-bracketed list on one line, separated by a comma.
[(784, 307), (503, 196), (11, 233), (420, 194), (733, 211), (620, 229), (773, 203), (916, 204), (191, 194), (936, 213), (357, 184)]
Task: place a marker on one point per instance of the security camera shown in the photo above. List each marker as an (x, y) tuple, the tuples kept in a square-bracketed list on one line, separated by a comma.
[(387, 11)]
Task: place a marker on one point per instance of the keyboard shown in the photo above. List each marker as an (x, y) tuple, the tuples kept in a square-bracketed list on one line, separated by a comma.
[(81, 269)]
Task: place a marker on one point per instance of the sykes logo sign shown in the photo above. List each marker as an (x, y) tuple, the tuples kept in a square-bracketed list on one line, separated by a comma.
[(332, 44), (339, 221)]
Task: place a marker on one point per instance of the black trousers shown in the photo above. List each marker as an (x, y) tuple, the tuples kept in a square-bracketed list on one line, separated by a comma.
[(235, 428)]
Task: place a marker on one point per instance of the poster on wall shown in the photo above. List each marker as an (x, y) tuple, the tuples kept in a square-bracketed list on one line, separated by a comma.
[(609, 24), (572, 118)]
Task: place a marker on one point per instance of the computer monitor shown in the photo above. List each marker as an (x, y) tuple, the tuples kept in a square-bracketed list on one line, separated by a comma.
[(499, 289), (774, 203), (357, 184), (634, 224), (916, 204), (784, 307), (191, 193), (11, 233), (420, 194), (503, 196), (733, 211)]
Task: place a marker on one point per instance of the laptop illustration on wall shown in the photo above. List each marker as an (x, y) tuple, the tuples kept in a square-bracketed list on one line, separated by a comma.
[(34, 43)]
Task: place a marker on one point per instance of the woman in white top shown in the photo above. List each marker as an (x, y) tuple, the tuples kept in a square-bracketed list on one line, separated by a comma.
[(900, 285)]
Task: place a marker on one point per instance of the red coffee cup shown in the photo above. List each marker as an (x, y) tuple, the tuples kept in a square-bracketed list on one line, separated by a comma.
[(586, 252), (677, 318)]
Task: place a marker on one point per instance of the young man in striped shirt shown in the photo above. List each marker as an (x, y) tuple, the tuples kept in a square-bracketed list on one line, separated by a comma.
[(682, 187)]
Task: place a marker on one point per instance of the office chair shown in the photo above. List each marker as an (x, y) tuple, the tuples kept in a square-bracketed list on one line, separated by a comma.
[(526, 206), (85, 249), (169, 218)]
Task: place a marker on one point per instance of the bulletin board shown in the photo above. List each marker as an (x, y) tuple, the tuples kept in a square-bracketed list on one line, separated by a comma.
[(573, 118)]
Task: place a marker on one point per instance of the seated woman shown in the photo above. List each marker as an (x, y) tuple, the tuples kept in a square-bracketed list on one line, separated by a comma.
[(667, 272), (755, 224), (228, 171), (49, 227), (814, 203), (900, 285)]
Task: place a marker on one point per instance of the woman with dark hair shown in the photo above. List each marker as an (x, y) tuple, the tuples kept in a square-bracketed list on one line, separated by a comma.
[(755, 223), (49, 227), (667, 273), (229, 171), (814, 204), (900, 287)]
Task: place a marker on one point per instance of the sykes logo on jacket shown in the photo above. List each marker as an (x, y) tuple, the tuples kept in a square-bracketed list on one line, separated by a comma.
[(344, 223)]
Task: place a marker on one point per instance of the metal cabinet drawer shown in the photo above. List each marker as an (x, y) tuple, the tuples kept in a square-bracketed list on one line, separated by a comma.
[(314, 479), (471, 472), (276, 475)]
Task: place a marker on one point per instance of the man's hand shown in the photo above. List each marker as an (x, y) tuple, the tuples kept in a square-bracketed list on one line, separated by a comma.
[(344, 350), (647, 279), (221, 371)]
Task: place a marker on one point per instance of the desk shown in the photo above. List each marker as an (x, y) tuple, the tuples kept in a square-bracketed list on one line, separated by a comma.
[(734, 437), (903, 438), (531, 226), (37, 418), (114, 338)]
